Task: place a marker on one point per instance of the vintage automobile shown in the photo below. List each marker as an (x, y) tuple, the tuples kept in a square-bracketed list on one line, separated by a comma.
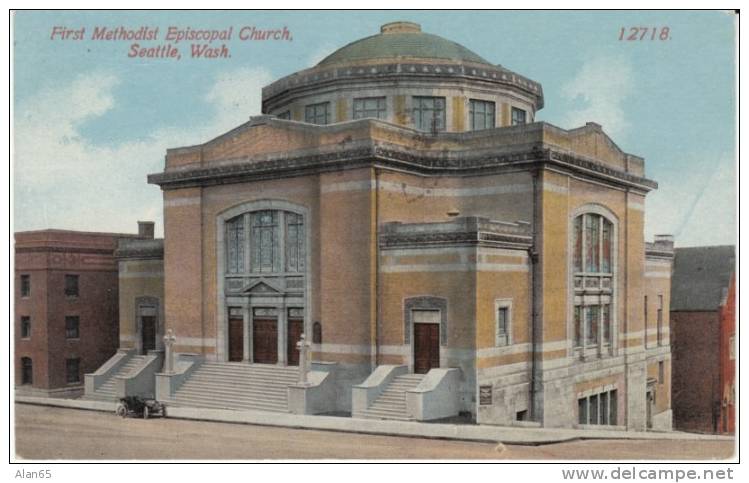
[(139, 407)]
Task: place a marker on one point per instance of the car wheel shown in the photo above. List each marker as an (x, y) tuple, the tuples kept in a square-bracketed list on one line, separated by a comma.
[(120, 410)]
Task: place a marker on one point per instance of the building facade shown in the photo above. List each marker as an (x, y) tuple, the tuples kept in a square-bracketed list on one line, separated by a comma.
[(441, 252), (703, 315), (66, 302)]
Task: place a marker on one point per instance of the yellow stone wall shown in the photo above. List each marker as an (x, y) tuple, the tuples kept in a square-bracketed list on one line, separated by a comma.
[(137, 278)]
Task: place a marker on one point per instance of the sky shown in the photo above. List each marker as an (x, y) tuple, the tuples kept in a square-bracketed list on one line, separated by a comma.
[(90, 122)]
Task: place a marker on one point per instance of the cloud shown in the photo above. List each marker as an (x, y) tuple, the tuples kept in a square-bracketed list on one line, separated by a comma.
[(600, 88), (698, 209), (63, 180)]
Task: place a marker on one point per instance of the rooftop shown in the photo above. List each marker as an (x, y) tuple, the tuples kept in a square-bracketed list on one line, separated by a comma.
[(402, 40)]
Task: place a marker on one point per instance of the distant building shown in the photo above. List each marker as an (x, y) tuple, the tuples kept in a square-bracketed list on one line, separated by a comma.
[(703, 340), (66, 307)]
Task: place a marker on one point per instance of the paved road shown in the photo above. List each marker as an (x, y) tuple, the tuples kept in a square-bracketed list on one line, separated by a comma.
[(58, 433)]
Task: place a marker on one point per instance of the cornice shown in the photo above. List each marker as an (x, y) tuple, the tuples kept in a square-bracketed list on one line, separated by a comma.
[(385, 155)]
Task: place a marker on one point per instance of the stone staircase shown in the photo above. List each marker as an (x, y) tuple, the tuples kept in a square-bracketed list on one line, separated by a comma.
[(107, 391), (391, 404), (231, 385)]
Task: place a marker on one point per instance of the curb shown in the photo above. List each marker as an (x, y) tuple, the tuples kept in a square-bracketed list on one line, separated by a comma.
[(474, 433)]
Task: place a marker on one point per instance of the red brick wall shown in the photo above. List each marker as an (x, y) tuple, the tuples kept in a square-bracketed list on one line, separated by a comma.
[(728, 364), (695, 370), (47, 256)]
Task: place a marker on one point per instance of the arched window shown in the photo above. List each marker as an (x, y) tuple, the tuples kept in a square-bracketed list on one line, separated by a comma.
[(27, 371), (275, 243), (592, 265)]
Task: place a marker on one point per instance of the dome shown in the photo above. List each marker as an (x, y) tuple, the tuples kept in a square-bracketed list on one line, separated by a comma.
[(402, 39)]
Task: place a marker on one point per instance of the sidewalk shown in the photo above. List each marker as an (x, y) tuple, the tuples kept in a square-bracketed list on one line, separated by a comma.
[(464, 432)]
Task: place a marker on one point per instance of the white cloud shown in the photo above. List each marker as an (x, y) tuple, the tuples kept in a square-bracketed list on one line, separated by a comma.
[(601, 88), (698, 209), (63, 180)]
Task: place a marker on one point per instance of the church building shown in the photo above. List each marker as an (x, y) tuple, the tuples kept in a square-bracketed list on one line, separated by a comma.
[(438, 252)]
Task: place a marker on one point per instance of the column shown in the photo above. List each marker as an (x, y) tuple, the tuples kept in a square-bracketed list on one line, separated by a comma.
[(246, 349), (282, 333)]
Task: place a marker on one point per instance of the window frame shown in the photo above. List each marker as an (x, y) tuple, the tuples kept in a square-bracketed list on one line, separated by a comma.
[(502, 340), (361, 112), (25, 327), (593, 270), (312, 114), (606, 409), (76, 327), (472, 114), (659, 321), (25, 285), (68, 289), (24, 368), (514, 120), (277, 245), (417, 107)]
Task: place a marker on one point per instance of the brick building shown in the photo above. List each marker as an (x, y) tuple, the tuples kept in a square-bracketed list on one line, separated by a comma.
[(440, 251), (703, 324), (66, 304)]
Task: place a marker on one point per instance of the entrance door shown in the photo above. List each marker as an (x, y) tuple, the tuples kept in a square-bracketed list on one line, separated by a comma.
[(265, 341), (426, 347), (148, 333), (236, 339), (650, 401), (296, 327)]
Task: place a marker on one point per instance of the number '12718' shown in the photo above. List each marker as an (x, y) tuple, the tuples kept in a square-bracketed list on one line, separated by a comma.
[(645, 33)]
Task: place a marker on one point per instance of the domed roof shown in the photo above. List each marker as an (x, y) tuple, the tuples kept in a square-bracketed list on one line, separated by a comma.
[(402, 39)]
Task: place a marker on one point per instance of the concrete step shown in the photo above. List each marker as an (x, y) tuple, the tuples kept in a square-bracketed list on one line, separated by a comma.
[(229, 394), (207, 401)]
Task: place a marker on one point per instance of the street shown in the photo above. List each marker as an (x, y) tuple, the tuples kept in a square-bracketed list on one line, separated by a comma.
[(49, 433)]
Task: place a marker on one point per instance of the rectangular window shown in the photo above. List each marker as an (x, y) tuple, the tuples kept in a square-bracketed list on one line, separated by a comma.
[(72, 323), (71, 285), (591, 324), (317, 113), (503, 326), (429, 113), (732, 347), (73, 370), (591, 243), (264, 241), (577, 245), (481, 114), (25, 285), (659, 320), (606, 246), (518, 116), (295, 253), (582, 410), (578, 326), (25, 327), (593, 409), (370, 107), (285, 115), (604, 407), (606, 323), (612, 408), (661, 372), (235, 245)]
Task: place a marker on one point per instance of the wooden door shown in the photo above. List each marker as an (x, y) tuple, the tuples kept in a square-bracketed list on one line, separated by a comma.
[(295, 329), (148, 333), (265, 341), (236, 339), (426, 347)]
